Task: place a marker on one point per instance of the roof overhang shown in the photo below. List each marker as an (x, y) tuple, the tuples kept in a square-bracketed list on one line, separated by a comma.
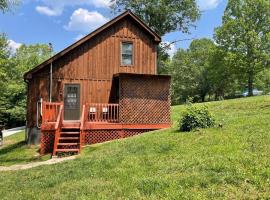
[(130, 75)]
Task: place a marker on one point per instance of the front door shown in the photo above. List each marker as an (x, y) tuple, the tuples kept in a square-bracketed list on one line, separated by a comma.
[(72, 102)]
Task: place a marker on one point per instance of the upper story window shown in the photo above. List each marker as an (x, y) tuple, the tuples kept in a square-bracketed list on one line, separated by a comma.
[(126, 53)]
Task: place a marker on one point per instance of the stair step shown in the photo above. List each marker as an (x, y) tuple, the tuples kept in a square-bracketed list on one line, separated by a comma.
[(68, 144), (68, 138), (67, 150), (71, 133)]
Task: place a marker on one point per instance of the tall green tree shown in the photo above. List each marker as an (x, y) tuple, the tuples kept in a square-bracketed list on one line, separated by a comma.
[(245, 32), (183, 74), (4, 64), (201, 50), (163, 16), (6, 5), (12, 86), (220, 75), (189, 70), (25, 58)]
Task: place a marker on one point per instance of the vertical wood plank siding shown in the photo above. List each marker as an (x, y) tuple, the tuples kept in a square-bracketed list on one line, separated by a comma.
[(92, 65)]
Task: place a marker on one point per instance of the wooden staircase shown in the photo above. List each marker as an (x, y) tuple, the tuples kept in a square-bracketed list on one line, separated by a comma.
[(68, 135), (69, 141)]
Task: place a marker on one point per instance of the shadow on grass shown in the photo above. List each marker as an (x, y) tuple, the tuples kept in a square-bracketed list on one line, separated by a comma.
[(12, 147), (17, 153)]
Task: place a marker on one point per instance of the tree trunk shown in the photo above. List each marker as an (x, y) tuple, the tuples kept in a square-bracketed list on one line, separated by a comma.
[(250, 84), (203, 97)]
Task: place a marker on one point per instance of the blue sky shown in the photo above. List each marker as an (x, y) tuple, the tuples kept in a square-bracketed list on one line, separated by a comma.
[(62, 22)]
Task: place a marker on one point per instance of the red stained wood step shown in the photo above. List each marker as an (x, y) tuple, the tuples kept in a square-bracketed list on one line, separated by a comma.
[(68, 144), (71, 133), (68, 138), (67, 150)]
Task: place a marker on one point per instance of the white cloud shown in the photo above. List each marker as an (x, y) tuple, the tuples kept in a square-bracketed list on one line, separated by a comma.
[(56, 7), (102, 3), (48, 11), (83, 20), (208, 4), (13, 46), (171, 48)]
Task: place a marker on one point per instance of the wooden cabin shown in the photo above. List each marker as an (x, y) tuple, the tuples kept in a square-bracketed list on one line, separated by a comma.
[(103, 87)]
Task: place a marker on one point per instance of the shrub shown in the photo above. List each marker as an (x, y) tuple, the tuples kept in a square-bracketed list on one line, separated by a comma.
[(196, 117)]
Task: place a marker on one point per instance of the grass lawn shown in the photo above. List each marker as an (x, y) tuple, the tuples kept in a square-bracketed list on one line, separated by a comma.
[(232, 162), (15, 151)]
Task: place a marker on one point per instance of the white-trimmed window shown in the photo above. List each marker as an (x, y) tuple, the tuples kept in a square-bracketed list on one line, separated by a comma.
[(126, 53)]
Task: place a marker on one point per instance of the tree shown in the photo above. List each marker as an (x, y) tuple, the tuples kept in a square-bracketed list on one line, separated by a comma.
[(163, 16), (245, 33), (189, 70), (184, 82), (220, 75), (26, 58), (6, 5), (201, 51), (164, 59), (12, 86), (4, 64)]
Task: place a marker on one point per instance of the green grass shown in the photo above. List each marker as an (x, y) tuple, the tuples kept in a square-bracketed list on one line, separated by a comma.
[(15, 151), (232, 162)]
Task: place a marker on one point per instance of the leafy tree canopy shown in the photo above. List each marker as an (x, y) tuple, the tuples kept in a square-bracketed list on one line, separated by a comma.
[(12, 86), (245, 32), (163, 16), (6, 5), (189, 70)]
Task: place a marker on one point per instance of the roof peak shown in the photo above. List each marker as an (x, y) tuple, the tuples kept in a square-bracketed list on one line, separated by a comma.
[(156, 38)]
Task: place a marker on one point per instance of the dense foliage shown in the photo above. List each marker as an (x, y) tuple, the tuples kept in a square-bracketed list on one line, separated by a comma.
[(245, 32), (196, 117), (6, 5), (12, 85), (237, 60), (162, 16)]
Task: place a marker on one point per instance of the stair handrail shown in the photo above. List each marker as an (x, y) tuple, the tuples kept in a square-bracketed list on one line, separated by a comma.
[(82, 126), (57, 127)]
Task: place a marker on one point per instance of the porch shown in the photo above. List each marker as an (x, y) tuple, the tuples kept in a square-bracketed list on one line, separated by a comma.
[(99, 122), (137, 103)]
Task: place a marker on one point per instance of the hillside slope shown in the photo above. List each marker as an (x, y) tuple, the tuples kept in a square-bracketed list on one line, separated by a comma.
[(217, 163)]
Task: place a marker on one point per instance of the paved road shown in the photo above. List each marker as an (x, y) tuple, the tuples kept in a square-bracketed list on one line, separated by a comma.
[(12, 131)]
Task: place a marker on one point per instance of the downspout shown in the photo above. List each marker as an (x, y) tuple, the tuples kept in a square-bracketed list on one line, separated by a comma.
[(51, 49), (26, 133), (51, 83), (39, 112)]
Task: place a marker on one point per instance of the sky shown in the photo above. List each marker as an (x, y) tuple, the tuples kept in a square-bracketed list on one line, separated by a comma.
[(62, 22)]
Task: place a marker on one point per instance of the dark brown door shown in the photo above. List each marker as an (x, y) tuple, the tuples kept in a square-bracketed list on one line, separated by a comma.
[(72, 102)]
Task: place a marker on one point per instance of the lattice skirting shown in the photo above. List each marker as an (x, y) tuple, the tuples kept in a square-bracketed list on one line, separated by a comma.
[(47, 142), (89, 137), (99, 136)]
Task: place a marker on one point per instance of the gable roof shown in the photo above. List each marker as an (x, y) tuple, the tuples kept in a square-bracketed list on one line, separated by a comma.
[(156, 37)]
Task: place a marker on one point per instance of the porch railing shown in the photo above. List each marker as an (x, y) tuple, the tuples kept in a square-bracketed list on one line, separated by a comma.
[(100, 112), (58, 127), (50, 111)]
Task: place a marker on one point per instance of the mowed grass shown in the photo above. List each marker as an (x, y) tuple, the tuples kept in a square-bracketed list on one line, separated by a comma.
[(232, 162), (15, 151)]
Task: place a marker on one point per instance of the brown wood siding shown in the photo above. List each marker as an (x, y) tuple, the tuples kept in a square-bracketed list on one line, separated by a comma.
[(92, 65)]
